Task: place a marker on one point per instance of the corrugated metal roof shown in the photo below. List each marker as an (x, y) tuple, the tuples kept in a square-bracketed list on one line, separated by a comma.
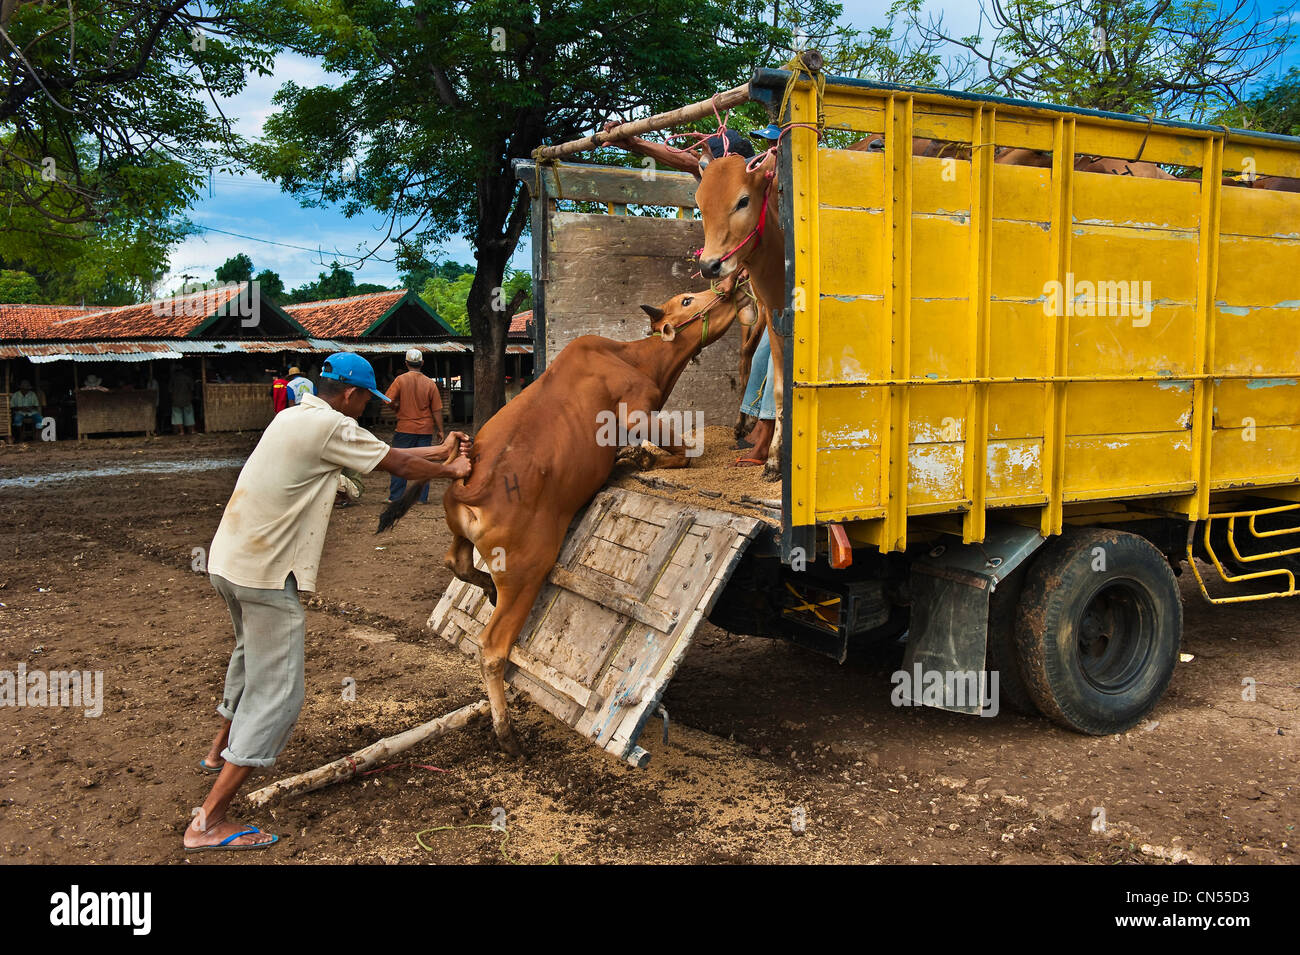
[(136, 350), (89, 351), (373, 347), (239, 346)]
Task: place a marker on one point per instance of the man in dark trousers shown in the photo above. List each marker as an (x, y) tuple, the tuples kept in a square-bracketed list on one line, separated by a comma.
[(414, 396)]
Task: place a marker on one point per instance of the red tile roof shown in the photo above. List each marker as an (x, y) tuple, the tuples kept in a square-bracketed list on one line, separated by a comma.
[(344, 317), (163, 318), (519, 323), (33, 321)]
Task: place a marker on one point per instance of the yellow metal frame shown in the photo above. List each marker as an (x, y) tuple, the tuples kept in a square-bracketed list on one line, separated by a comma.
[(887, 510), (1231, 518)]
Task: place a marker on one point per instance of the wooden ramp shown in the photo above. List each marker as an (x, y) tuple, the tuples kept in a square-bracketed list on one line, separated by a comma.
[(636, 576)]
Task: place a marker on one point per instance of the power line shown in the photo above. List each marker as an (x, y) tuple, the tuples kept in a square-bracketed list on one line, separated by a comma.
[(253, 238)]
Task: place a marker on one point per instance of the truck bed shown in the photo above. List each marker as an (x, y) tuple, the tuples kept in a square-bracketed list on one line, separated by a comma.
[(711, 481)]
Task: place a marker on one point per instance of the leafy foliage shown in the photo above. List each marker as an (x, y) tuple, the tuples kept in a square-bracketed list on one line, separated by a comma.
[(449, 297), (105, 133), (1172, 58), (1275, 109)]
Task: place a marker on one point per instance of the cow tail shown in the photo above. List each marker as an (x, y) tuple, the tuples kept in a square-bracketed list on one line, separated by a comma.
[(397, 510)]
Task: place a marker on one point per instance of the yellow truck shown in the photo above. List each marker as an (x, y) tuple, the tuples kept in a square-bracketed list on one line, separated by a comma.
[(1019, 399)]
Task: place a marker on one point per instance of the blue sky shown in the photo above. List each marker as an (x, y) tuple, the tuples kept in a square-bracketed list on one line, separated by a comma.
[(299, 243)]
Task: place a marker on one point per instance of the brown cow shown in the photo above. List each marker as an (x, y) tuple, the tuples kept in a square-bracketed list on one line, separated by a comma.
[(739, 209), (540, 459)]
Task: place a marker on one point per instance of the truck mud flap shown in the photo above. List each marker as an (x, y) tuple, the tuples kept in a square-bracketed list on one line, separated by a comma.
[(950, 588), (636, 576)]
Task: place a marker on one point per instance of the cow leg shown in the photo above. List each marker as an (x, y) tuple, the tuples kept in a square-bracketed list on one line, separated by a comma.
[(772, 470), (676, 458), (499, 636), (460, 561)]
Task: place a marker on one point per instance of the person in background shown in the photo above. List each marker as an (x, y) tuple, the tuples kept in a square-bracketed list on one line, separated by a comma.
[(415, 399), (266, 550), (279, 393), (182, 400), (759, 403), (26, 405), (299, 385)]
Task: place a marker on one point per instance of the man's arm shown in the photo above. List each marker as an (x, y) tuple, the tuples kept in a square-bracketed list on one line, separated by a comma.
[(455, 442), (661, 154), (435, 411), (417, 467)]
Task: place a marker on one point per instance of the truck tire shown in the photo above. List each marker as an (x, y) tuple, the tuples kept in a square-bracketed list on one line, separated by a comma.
[(1098, 647), (1002, 655)]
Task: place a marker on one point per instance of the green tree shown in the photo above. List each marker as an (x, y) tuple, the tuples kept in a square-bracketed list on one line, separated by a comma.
[(18, 288), (1174, 58), (270, 284), (237, 268), (435, 100), (450, 299), (106, 130), (115, 260), (91, 86), (1274, 109), (338, 282)]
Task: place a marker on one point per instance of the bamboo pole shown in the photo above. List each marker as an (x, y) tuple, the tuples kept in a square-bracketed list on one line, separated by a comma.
[(676, 117), (363, 759)]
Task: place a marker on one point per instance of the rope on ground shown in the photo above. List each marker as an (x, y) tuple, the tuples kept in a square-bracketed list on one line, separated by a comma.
[(419, 837)]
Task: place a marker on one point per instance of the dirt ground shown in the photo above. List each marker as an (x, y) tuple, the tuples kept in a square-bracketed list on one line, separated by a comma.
[(97, 575)]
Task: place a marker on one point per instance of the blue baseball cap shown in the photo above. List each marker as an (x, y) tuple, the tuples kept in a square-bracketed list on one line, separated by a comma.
[(351, 369), (770, 132)]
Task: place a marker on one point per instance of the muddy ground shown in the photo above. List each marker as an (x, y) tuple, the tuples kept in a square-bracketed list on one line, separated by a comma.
[(96, 575)]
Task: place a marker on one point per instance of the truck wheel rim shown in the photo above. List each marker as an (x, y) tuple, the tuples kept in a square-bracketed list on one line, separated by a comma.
[(1116, 636)]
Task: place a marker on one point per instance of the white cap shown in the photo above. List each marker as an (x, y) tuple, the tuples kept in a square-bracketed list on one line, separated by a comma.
[(414, 357)]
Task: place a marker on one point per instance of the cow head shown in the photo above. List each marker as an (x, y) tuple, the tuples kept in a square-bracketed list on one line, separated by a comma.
[(731, 199), (685, 314)]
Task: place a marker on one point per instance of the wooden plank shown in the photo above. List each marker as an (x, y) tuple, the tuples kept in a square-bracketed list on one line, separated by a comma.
[(595, 591), (617, 184), (534, 667), (580, 233)]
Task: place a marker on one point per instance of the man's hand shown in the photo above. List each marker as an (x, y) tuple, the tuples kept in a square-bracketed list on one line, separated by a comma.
[(458, 468), (456, 441)]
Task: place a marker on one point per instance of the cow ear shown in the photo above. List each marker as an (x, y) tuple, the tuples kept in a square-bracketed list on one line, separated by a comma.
[(654, 313)]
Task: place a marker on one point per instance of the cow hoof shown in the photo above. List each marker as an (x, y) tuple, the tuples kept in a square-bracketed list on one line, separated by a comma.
[(770, 473), (509, 744)]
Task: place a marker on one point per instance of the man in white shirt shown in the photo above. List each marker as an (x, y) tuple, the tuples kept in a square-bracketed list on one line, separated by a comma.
[(299, 385), (25, 404), (268, 548)]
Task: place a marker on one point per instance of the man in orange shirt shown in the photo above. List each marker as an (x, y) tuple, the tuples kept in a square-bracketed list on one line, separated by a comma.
[(415, 398)]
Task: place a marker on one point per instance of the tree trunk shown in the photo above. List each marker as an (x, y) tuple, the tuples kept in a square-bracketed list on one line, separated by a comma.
[(488, 324)]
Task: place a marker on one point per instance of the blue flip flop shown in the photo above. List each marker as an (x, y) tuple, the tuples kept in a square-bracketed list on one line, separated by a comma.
[(225, 844), (203, 765)]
